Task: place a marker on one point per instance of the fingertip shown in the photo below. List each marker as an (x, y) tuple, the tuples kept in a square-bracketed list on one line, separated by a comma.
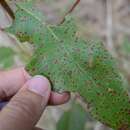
[(59, 98), (40, 85), (65, 97)]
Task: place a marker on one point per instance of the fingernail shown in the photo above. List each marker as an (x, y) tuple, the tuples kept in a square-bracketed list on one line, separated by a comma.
[(39, 85)]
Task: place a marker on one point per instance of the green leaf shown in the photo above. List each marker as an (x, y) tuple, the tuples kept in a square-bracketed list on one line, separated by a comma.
[(6, 57), (25, 26), (76, 65), (74, 119)]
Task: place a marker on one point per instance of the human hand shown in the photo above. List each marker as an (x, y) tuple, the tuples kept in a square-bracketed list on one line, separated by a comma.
[(28, 97)]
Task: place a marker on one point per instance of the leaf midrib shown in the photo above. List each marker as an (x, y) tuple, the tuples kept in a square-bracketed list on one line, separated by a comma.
[(41, 22), (55, 36)]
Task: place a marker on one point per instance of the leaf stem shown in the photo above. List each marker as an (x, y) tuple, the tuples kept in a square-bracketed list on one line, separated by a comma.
[(71, 10), (7, 8), (73, 7)]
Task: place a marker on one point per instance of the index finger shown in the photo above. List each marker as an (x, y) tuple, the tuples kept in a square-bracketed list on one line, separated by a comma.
[(11, 81)]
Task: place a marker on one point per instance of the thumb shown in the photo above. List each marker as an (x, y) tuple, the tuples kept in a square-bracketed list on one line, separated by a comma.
[(26, 107)]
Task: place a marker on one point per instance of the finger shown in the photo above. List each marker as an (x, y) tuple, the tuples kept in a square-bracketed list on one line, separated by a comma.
[(12, 81), (55, 99), (26, 107), (58, 99)]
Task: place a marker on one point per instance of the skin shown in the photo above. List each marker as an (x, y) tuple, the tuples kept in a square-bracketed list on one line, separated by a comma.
[(26, 105)]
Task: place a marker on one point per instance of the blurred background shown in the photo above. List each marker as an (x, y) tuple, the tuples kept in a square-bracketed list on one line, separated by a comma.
[(108, 20)]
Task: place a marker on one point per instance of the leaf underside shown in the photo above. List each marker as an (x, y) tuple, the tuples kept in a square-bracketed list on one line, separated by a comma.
[(74, 64)]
